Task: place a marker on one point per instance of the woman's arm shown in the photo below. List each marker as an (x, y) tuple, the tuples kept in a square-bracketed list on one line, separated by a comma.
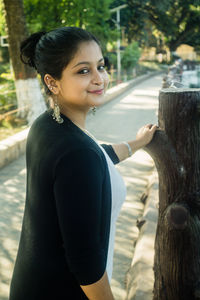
[(143, 137), (99, 290), (84, 219)]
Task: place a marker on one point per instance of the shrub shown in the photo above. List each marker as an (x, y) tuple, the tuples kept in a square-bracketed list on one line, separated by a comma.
[(130, 56)]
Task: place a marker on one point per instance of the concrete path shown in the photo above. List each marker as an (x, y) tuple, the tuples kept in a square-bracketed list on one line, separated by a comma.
[(116, 121)]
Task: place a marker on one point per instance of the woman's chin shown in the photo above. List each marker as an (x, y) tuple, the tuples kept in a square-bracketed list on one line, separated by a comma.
[(98, 100)]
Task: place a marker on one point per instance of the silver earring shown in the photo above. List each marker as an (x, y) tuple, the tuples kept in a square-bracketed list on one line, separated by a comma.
[(94, 109), (56, 113)]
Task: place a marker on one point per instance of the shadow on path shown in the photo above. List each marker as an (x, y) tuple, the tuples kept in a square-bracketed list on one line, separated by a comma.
[(12, 198)]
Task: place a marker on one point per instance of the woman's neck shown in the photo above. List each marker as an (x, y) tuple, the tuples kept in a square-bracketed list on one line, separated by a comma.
[(78, 117)]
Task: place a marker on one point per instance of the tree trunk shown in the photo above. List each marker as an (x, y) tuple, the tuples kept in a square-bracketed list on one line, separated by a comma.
[(29, 97), (176, 152)]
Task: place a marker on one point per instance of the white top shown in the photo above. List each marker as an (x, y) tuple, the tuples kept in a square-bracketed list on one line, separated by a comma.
[(118, 192)]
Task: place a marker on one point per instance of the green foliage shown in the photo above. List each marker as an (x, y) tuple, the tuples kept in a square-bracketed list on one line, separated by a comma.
[(124, 14), (92, 15), (9, 124), (178, 21), (113, 59), (7, 86), (130, 56), (2, 19)]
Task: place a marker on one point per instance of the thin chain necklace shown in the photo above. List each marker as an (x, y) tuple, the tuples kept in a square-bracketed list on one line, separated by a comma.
[(87, 132)]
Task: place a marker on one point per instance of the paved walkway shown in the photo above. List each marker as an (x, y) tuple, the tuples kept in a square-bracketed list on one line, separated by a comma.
[(116, 121)]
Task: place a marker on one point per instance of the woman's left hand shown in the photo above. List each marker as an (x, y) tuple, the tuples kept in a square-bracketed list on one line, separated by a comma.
[(145, 134)]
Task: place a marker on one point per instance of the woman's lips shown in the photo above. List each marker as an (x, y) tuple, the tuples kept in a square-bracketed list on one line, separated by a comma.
[(99, 92)]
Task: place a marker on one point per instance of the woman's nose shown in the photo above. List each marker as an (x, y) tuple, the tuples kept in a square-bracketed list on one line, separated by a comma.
[(97, 78)]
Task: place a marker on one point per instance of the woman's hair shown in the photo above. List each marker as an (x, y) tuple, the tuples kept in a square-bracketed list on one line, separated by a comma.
[(50, 52)]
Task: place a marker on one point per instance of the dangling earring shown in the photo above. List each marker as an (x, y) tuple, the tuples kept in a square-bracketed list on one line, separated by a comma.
[(94, 110), (56, 113)]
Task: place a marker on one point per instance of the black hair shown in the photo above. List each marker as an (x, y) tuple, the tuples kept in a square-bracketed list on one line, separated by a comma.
[(50, 52)]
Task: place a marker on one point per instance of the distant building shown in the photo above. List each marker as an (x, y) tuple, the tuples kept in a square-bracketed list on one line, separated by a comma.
[(186, 52)]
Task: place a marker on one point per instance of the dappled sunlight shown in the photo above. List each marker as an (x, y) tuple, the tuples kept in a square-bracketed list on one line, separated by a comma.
[(22, 172), (132, 234), (12, 199), (140, 106), (135, 180), (135, 172), (131, 102), (119, 292), (145, 243), (124, 249), (132, 205), (145, 92)]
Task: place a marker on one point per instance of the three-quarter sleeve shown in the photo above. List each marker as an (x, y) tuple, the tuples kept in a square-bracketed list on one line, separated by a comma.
[(79, 177), (110, 151)]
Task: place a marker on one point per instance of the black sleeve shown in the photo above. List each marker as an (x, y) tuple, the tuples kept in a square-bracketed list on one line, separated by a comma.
[(78, 196), (111, 152)]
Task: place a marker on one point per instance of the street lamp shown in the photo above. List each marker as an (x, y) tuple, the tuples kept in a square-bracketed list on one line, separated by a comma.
[(117, 22)]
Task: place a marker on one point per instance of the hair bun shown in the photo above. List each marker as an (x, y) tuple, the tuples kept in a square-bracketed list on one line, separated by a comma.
[(27, 48)]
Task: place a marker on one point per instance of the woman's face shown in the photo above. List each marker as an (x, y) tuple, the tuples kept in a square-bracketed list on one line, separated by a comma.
[(84, 80)]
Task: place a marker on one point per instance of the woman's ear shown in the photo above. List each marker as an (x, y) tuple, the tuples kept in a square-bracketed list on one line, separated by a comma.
[(51, 84)]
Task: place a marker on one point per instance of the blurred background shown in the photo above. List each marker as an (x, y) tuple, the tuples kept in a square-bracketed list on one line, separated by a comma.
[(137, 36)]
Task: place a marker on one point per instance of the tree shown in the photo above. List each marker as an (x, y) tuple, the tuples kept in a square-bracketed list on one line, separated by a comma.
[(4, 56), (177, 20), (92, 15), (175, 150), (100, 25), (29, 97), (2, 19), (124, 14), (130, 56)]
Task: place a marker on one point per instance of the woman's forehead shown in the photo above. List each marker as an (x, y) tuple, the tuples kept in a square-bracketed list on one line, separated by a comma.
[(87, 51)]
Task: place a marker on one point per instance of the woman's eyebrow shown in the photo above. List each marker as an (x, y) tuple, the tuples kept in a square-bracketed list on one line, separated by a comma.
[(86, 62)]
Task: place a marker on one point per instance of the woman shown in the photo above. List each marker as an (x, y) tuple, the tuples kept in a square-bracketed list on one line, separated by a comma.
[(74, 192)]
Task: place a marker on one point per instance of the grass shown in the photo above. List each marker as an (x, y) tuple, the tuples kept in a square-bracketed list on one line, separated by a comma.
[(8, 101), (141, 68), (152, 66), (7, 86), (6, 132)]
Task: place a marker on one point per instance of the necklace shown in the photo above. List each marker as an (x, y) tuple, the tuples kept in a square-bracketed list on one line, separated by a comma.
[(90, 135), (87, 132)]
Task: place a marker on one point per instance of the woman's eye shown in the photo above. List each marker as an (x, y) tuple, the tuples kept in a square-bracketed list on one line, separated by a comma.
[(101, 68), (84, 71)]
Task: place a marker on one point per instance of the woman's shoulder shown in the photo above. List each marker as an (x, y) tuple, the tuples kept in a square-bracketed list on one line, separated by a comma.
[(58, 140)]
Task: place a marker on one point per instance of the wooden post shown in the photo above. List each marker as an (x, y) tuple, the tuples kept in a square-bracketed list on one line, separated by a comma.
[(176, 152)]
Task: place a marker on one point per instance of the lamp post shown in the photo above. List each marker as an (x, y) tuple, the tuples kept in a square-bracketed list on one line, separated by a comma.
[(117, 22)]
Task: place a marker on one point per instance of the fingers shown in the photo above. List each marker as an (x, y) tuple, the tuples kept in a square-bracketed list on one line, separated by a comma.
[(153, 128), (148, 125), (148, 128)]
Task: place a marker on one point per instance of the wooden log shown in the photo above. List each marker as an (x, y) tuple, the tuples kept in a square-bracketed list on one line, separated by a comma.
[(175, 149)]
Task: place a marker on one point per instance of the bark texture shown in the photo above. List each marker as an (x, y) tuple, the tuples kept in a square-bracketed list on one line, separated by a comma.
[(176, 152), (17, 32), (29, 98)]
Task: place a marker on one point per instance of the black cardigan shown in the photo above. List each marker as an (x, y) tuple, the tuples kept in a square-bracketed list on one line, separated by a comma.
[(66, 224)]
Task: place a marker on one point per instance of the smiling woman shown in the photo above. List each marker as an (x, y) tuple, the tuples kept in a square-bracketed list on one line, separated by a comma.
[(63, 250), (74, 192), (82, 84)]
